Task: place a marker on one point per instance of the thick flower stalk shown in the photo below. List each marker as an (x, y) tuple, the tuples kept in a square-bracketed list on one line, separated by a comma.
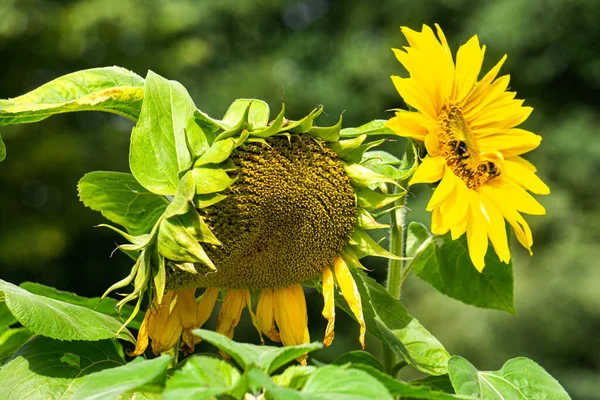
[(474, 148)]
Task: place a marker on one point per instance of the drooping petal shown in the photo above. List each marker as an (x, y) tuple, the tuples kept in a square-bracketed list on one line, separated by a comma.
[(430, 170), (265, 315), (231, 311), (351, 295), (477, 224), (522, 175), (445, 187), (164, 324), (291, 317), (329, 305), (206, 305), (142, 338), (497, 229), (186, 308)]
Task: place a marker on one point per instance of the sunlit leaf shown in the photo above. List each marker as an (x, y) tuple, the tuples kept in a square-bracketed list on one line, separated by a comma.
[(358, 357), (375, 127), (111, 383), (122, 200), (110, 89), (518, 379), (258, 114), (57, 319), (50, 369), (159, 149), (338, 383), (201, 378), (445, 264), (11, 340), (267, 358)]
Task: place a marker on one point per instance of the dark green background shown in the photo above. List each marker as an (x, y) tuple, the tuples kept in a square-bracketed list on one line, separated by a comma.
[(309, 52)]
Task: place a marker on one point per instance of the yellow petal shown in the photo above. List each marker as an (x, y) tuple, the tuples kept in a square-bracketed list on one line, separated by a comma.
[(497, 229), (206, 305), (522, 175), (454, 209), (409, 124), (164, 325), (291, 317), (432, 144), (477, 238), (468, 65), (264, 315), (231, 311), (511, 142), (414, 96), (186, 309), (430, 170), (142, 338), (329, 306), (521, 200), (443, 190), (351, 295), (482, 87), (437, 223), (460, 227)]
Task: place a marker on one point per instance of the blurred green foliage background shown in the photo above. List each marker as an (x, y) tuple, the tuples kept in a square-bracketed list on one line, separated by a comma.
[(336, 53)]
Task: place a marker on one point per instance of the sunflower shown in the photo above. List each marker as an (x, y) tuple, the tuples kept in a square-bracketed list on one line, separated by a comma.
[(473, 147), (274, 206)]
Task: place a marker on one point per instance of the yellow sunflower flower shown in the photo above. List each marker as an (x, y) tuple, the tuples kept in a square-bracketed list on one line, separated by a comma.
[(295, 210), (473, 147)]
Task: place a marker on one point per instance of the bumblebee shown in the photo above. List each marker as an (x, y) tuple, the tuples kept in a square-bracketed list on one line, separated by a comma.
[(490, 168), (460, 149)]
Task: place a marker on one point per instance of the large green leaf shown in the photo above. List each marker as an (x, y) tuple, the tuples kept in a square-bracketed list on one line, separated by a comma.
[(11, 340), (111, 383), (2, 150), (59, 320), (267, 358), (159, 149), (202, 377), (445, 264), (339, 383), (405, 389), (110, 89), (518, 379), (122, 200), (389, 321), (106, 305), (50, 369)]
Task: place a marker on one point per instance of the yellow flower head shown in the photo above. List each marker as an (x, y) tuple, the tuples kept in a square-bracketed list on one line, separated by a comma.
[(473, 147)]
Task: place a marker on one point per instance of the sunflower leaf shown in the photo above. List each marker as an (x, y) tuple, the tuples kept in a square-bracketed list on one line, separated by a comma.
[(44, 368), (111, 383), (110, 89), (371, 200), (11, 340), (339, 383), (399, 388), (519, 378), (122, 200), (59, 320), (267, 358), (445, 264), (159, 148), (364, 177), (202, 377), (389, 321)]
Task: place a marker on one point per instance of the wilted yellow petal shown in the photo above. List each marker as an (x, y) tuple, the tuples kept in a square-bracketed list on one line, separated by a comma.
[(351, 295), (186, 309), (164, 325), (206, 305), (291, 317), (142, 339), (329, 306), (231, 311), (264, 315)]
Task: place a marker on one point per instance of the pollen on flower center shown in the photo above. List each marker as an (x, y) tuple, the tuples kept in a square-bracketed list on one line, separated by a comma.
[(288, 216), (460, 149)]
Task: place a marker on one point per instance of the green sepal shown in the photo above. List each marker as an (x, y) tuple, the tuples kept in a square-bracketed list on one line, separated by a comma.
[(211, 180), (357, 155), (182, 199), (217, 153), (375, 127), (367, 221), (371, 200), (367, 246), (343, 148), (305, 124), (410, 162), (209, 125), (137, 242), (254, 112), (178, 240), (364, 177), (350, 257), (272, 129), (197, 140), (159, 277), (327, 134), (187, 267), (207, 200), (237, 128)]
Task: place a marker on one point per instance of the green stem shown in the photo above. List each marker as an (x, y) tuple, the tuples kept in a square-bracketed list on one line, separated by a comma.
[(396, 268)]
